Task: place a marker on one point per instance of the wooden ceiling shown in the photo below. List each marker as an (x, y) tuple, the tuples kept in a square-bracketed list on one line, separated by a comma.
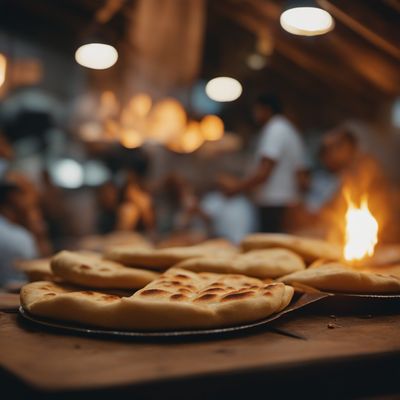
[(349, 72), (352, 71)]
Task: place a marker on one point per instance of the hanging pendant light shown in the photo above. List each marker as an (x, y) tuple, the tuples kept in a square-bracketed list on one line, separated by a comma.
[(224, 89), (96, 55), (96, 49), (305, 18)]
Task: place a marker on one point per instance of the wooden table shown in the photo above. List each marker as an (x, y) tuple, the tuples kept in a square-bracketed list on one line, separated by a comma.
[(341, 357)]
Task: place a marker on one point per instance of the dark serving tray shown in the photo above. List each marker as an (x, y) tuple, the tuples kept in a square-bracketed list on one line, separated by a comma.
[(300, 301), (346, 303)]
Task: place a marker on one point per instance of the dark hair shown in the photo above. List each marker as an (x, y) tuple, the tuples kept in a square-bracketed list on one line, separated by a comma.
[(344, 134), (7, 188), (349, 136), (270, 100)]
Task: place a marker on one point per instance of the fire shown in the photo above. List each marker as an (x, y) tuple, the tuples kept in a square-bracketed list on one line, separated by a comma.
[(361, 231)]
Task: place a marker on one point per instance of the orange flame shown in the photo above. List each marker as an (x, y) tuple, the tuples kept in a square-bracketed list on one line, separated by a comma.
[(361, 231)]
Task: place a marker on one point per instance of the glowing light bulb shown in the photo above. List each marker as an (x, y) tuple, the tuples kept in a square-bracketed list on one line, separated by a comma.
[(307, 21), (96, 56), (224, 89), (212, 127), (130, 138), (3, 68)]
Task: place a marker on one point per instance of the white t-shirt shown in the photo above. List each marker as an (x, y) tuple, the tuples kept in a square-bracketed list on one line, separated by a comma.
[(232, 217), (281, 142)]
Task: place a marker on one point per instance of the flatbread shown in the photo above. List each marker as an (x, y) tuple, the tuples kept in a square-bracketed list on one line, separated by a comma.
[(336, 277), (117, 238), (178, 299), (92, 271), (267, 263), (308, 248), (162, 259), (36, 270)]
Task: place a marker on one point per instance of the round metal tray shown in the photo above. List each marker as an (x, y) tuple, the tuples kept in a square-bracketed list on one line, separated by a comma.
[(299, 302)]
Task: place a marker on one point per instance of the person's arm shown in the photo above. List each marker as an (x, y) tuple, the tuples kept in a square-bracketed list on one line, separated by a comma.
[(304, 179), (231, 186)]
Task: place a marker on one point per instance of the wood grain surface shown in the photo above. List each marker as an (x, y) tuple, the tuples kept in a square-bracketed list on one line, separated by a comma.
[(54, 362)]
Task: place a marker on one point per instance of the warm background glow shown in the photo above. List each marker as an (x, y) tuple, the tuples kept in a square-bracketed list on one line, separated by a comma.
[(361, 232), (212, 127)]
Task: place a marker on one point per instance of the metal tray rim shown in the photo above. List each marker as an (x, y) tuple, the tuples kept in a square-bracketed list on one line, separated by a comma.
[(302, 301)]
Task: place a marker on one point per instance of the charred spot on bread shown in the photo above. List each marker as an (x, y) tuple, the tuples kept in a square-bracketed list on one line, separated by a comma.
[(153, 292), (238, 296), (110, 297), (271, 286), (182, 276), (85, 267), (178, 296), (213, 290), (206, 297), (185, 290)]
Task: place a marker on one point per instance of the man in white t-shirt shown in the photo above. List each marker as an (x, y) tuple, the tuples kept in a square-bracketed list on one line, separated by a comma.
[(280, 166)]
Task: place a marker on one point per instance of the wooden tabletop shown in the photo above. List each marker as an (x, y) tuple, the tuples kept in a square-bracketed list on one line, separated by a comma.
[(339, 355)]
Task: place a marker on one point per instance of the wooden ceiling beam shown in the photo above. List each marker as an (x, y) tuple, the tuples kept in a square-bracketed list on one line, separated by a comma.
[(360, 28), (324, 69), (374, 67)]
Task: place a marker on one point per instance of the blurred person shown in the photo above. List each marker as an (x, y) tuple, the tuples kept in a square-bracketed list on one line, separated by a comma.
[(280, 171), (16, 242), (6, 154), (32, 216), (180, 218), (136, 211), (53, 209), (359, 174), (232, 217), (107, 198)]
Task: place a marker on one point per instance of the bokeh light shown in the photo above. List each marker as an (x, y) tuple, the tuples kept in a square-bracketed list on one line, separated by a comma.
[(212, 127), (224, 89), (96, 56), (306, 21)]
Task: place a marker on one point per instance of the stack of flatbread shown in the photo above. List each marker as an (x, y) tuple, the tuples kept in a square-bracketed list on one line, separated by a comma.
[(326, 272), (176, 299), (209, 285)]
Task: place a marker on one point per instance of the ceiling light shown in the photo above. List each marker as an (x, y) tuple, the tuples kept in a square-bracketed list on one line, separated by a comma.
[(224, 89), (96, 55), (307, 21)]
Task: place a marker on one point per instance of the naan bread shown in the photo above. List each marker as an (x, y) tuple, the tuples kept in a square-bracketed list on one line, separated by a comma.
[(117, 238), (178, 299), (268, 263), (92, 271), (309, 249), (36, 270), (336, 277), (165, 258)]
